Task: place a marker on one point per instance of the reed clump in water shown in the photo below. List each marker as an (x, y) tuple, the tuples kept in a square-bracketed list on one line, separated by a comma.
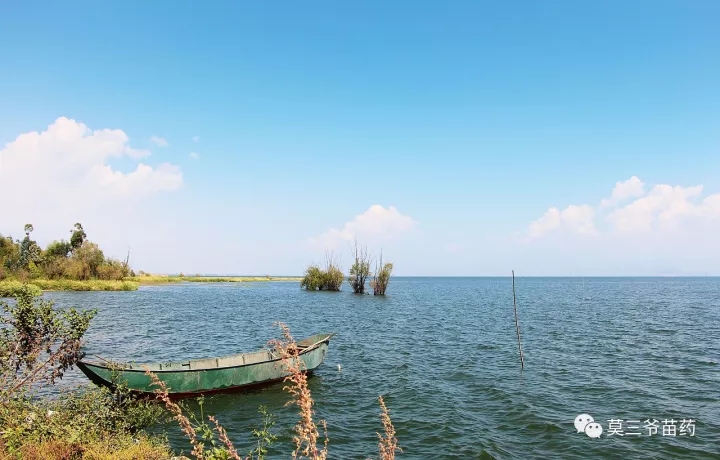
[(328, 279), (381, 278), (360, 269)]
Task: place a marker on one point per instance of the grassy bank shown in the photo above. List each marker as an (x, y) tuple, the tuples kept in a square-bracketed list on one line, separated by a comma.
[(9, 287), (163, 279)]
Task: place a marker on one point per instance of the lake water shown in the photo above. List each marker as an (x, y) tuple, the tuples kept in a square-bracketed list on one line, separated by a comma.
[(443, 352)]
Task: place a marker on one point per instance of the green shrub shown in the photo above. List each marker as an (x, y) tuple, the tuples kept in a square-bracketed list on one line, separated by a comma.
[(317, 279), (333, 278), (88, 419), (314, 278)]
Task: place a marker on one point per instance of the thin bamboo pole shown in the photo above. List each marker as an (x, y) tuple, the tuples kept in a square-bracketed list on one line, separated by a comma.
[(517, 324)]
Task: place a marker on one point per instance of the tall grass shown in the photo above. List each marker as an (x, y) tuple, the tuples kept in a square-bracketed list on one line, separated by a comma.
[(8, 287), (387, 445), (306, 431), (88, 285), (309, 444)]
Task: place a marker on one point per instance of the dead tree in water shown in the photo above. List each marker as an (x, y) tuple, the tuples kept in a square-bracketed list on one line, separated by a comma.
[(360, 270), (381, 279)]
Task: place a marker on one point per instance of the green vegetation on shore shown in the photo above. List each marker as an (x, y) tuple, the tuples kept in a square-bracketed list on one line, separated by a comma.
[(61, 261), (11, 288), (80, 265), (68, 285), (8, 287)]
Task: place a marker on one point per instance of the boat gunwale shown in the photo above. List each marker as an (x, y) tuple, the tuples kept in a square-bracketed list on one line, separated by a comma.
[(304, 351)]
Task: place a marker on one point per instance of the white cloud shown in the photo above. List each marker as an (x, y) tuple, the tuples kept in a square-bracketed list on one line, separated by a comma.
[(196, 138), (664, 208), (63, 174), (159, 141), (194, 155), (579, 219), (631, 188), (377, 224)]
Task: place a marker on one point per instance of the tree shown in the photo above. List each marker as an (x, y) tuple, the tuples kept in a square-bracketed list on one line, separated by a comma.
[(58, 249), (9, 253), (30, 252), (37, 342), (360, 270), (87, 258), (78, 236)]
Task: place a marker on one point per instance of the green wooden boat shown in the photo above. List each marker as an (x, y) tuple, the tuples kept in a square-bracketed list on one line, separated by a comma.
[(210, 375)]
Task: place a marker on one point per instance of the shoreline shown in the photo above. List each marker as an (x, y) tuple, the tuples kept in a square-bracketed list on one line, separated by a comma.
[(147, 280), (9, 287)]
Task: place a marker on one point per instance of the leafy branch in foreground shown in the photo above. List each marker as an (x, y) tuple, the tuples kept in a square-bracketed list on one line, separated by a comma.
[(37, 342), (265, 436)]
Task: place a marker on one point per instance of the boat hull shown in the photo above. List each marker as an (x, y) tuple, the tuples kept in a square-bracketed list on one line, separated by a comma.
[(182, 380)]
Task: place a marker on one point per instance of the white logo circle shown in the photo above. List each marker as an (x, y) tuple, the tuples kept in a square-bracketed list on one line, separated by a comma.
[(593, 429), (581, 421)]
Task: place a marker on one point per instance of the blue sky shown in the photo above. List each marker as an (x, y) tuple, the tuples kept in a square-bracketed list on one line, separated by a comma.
[(470, 119)]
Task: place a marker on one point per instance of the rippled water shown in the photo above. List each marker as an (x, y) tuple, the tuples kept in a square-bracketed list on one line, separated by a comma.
[(443, 352)]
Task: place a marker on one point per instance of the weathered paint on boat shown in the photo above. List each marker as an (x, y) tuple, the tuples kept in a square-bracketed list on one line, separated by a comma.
[(210, 375)]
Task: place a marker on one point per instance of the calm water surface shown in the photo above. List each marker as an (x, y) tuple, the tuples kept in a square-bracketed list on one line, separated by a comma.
[(443, 352)]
